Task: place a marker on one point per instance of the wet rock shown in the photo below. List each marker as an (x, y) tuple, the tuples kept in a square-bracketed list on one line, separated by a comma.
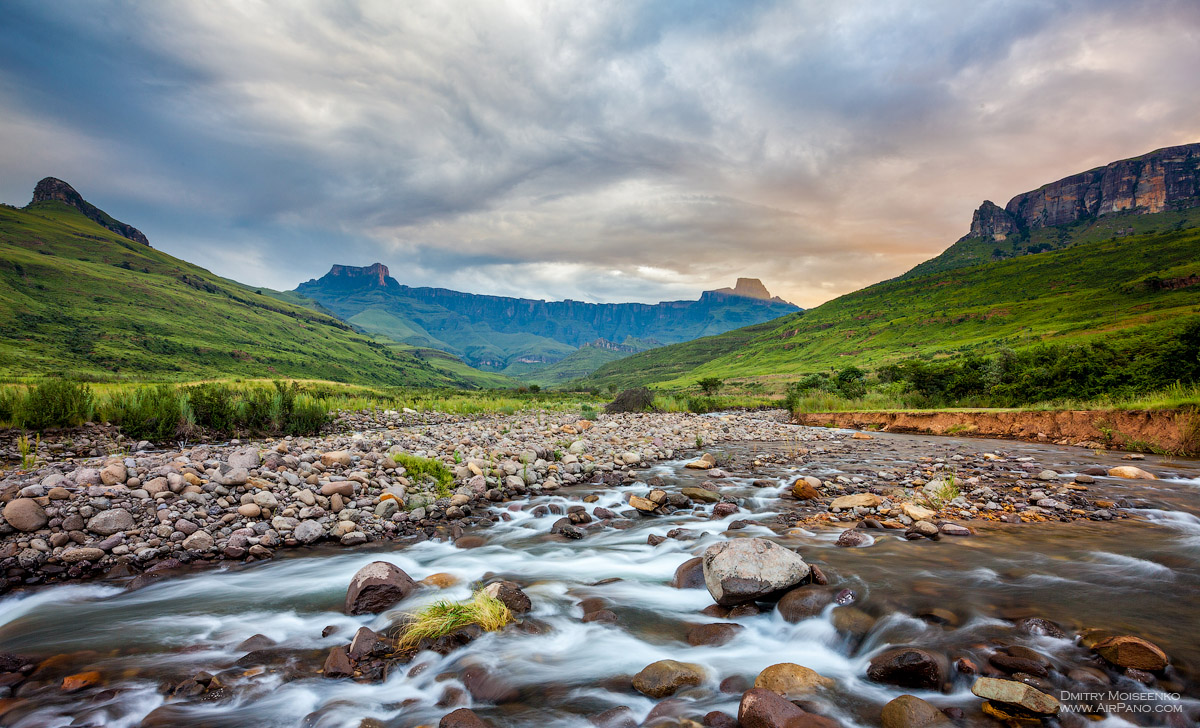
[(364, 642), (791, 680), (761, 708), (852, 621), (712, 635), (1131, 472), (954, 529), (255, 642), (908, 667), (804, 602), (511, 594), (909, 711), (74, 556), (487, 687), (618, 717), (337, 664), (376, 587), (700, 495), (463, 718), (705, 462), (1015, 693), (1011, 664), (717, 719), (745, 569), (25, 514), (1039, 626), (1132, 652), (689, 575), (661, 679), (79, 681), (853, 538), (806, 488)]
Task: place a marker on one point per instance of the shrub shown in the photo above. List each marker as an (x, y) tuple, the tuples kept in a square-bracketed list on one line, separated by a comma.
[(700, 405), (587, 412), (55, 403), (151, 413), (307, 417), (710, 385), (213, 406), (631, 400)]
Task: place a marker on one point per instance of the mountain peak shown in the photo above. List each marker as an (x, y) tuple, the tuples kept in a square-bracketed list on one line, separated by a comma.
[(52, 189), (355, 276), (750, 288)]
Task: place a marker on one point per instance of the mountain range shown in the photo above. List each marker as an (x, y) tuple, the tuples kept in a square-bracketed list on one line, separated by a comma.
[(521, 336), (1108, 255)]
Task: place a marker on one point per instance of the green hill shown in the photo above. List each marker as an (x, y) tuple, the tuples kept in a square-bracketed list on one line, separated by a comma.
[(1135, 290), (80, 300)]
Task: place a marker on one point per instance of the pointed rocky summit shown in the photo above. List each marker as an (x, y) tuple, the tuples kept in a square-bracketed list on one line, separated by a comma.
[(52, 189)]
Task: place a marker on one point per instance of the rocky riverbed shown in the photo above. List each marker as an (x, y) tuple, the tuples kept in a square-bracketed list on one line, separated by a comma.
[(900, 563)]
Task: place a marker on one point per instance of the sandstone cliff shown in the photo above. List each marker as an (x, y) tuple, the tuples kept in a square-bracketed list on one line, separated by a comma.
[(1166, 179), (51, 189)]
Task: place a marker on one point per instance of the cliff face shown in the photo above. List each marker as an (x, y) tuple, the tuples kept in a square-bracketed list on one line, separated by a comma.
[(1166, 179), (51, 189), (485, 330)]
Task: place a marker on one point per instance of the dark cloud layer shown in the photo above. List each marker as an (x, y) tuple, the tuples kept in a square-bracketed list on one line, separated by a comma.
[(599, 151)]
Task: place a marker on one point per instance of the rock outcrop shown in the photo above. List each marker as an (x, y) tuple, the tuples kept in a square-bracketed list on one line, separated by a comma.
[(1165, 179), (52, 189)]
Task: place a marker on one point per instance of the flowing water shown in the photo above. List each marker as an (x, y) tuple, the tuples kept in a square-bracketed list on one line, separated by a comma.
[(956, 596)]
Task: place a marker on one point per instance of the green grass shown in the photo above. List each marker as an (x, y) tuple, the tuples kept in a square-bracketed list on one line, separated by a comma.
[(80, 302), (418, 469), (445, 617), (1095, 291)]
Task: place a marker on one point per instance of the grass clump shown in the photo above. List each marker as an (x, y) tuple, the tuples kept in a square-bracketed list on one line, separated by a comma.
[(943, 494), (418, 469), (639, 399), (444, 617)]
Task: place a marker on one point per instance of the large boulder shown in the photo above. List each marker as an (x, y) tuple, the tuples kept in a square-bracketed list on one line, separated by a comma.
[(661, 679), (761, 708), (1129, 651), (106, 523), (908, 667), (1014, 692), (24, 514), (377, 586), (909, 711), (745, 569), (791, 680), (247, 458), (857, 500)]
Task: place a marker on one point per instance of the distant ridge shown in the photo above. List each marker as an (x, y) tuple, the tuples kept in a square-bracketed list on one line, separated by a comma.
[(749, 288), (52, 189)]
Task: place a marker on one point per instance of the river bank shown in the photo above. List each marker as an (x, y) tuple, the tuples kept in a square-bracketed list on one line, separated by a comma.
[(602, 559), (1152, 431)]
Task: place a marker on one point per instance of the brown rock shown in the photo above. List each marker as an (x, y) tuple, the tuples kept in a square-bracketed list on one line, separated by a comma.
[(661, 679), (858, 500), (761, 708), (24, 514), (74, 556), (805, 488), (1015, 693), (377, 586), (791, 680), (689, 575), (908, 667), (339, 457), (79, 681), (463, 718), (1129, 651), (511, 594), (337, 664), (909, 711), (712, 635), (1130, 472), (804, 602)]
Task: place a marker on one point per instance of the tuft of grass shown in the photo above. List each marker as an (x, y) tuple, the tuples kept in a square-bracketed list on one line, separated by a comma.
[(28, 451), (444, 617), (419, 468), (945, 494)]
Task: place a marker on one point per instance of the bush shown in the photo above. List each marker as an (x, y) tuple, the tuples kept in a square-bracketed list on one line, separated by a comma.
[(55, 403), (700, 405), (631, 400), (151, 413), (710, 385), (213, 406)]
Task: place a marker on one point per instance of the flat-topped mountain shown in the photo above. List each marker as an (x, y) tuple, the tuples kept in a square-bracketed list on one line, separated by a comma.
[(499, 332), (52, 189), (1156, 191)]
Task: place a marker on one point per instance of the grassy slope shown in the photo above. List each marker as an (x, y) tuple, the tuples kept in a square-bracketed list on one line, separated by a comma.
[(67, 307), (1091, 291), (580, 363)]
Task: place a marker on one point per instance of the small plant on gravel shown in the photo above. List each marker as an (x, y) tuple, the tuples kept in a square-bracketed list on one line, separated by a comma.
[(587, 412), (946, 493), (418, 468), (699, 442), (28, 451), (444, 617)]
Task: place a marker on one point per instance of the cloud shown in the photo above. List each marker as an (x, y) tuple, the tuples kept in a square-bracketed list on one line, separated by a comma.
[(617, 151)]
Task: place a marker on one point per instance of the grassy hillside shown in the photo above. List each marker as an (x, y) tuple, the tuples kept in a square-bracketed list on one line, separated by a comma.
[(580, 363), (1135, 290), (81, 301)]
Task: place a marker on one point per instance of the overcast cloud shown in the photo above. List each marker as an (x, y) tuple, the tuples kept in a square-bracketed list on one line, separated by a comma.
[(605, 151)]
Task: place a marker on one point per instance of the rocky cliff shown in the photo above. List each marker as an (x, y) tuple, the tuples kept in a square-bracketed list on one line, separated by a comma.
[(494, 330), (1166, 179), (52, 189)]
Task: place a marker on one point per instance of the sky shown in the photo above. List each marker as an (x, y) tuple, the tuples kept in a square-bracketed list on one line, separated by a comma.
[(600, 151)]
